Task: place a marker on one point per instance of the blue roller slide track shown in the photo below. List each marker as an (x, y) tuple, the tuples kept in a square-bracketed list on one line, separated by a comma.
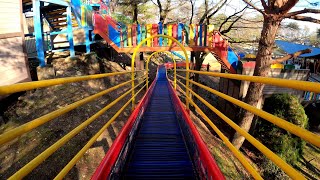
[(159, 150)]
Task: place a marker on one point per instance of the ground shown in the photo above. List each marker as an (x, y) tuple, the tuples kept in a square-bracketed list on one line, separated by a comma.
[(34, 104)]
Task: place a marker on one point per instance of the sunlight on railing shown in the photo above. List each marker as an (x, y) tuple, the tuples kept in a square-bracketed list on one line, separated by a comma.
[(302, 133), (25, 128)]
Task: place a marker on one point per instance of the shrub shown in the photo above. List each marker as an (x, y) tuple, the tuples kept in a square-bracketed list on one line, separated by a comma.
[(288, 146)]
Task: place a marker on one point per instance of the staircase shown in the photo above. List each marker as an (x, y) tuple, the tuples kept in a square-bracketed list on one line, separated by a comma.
[(56, 17)]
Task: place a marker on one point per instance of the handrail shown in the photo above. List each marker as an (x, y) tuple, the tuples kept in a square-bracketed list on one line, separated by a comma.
[(135, 54), (9, 89), (110, 159), (11, 134), (233, 149), (174, 66), (49, 151), (267, 152), (294, 84), (76, 158), (294, 129)]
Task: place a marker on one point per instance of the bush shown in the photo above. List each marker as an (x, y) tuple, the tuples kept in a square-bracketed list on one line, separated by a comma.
[(288, 146)]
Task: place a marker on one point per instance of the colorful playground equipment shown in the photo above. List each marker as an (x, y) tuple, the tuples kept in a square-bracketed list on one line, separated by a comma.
[(92, 17), (124, 38), (166, 147)]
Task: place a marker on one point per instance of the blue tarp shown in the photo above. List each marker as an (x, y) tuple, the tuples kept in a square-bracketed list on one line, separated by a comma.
[(179, 55), (233, 58), (291, 48)]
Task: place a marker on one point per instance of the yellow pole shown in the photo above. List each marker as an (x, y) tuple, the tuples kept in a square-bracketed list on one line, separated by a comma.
[(53, 148), (136, 50), (18, 131), (174, 66), (9, 89), (76, 158), (267, 152), (293, 84), (294, 129)]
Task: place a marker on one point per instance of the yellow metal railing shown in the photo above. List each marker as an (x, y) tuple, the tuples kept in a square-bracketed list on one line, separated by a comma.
[(18, 131), (25, 128), (302, 133), (174, 66), (136, 50)]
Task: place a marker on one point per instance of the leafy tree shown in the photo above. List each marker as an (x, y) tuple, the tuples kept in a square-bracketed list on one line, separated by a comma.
[(274, 11), (289, 147)]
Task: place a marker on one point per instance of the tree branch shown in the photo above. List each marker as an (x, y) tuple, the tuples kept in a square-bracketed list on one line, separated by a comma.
[(155, 3), (160, 8), (290, 56), (254, 7), (226, 20), (317, 11), (264, 4), (230, 27), (213, 13), (305, 18), (205, 15)]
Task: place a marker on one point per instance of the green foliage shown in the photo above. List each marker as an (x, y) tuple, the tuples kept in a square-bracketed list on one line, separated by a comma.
[(288, 146), (122, 18), (293, 25)]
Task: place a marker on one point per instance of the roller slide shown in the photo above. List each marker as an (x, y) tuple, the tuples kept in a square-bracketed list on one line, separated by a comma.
[(159, 141)]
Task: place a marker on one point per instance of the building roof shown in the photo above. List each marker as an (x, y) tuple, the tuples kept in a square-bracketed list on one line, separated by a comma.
[(291, 48)]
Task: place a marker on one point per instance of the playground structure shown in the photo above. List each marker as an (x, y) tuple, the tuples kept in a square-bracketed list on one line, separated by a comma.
[(92, 18), (151, 149)]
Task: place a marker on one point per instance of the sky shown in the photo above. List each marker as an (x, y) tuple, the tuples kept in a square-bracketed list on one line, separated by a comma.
[(239, 4)]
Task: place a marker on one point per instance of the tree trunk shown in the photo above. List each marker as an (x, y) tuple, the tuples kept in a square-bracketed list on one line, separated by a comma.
[(135, 13), (192, 11), (263, 61)]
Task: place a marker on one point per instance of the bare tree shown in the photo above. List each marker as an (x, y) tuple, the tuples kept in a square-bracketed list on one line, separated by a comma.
[(274, 11), (199, 57), (168, 6)]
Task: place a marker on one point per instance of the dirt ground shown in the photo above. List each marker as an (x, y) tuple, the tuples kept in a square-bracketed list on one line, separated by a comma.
[(34, 104)]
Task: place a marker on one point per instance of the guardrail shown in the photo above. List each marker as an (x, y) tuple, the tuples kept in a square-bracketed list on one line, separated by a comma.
[(298, 131), (300, 85), (25, 128)]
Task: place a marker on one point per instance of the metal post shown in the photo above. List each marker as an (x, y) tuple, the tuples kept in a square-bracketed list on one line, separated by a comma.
[(88, 42), (69, 30), (38, 31)]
